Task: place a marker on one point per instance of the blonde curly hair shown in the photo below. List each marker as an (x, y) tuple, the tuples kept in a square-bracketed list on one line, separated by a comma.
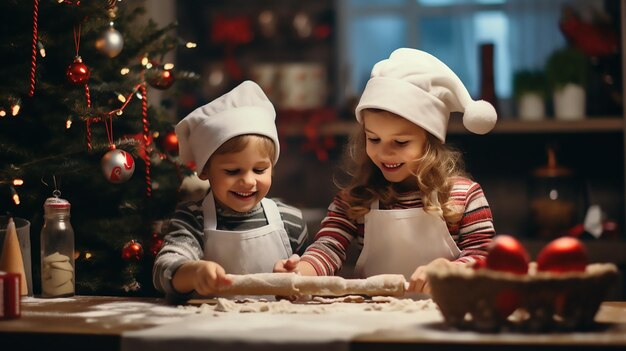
[(435, 173)]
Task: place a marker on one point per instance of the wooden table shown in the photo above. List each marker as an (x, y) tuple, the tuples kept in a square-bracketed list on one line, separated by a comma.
[(83, 323)]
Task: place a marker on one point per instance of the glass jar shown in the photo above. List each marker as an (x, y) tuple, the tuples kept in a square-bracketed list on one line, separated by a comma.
[(57, 250), (558, 199)]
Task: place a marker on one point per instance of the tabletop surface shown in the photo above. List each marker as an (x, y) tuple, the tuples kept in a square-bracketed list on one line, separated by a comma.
[(104, 322)]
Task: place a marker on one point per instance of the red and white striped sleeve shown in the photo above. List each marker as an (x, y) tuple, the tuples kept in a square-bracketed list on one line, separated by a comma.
[(328, 250), (475, 230)]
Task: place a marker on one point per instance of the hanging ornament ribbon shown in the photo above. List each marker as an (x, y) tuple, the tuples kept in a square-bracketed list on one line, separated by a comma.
[(108, 124), (146, 136), (33, 58), (117, 111)]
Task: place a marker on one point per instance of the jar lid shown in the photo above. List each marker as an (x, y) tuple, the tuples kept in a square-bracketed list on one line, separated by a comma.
[(56, 202)]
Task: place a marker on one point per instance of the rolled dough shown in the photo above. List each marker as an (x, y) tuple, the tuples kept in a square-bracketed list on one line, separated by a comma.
[(292, 284)]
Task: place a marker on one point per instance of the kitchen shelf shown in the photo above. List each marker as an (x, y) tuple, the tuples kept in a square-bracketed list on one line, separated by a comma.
[(504, 126)]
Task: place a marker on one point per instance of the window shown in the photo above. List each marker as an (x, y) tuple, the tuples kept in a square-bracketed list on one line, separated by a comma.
[(525, 33)]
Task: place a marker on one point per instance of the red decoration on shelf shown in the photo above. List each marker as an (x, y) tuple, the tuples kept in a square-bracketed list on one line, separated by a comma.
[(320, 145), (322, 31), (77, 72), (591, 38), (508, 255), (232, 31), (132, 250), (565, 254)]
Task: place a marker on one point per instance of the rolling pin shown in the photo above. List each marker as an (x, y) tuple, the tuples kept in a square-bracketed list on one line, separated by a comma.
[(291, 284)]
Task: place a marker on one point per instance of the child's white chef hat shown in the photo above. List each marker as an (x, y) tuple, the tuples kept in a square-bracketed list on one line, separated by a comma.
[(243, 110), (417, 86)]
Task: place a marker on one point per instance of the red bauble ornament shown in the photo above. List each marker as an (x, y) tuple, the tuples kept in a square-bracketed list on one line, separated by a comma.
[(565, 254), (169, 143), (508, 255), (77, 73), (117, 166), (132, 250), (160, 78)]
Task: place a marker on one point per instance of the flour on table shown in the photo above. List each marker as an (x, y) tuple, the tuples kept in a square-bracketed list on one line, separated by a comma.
[(316, 306)]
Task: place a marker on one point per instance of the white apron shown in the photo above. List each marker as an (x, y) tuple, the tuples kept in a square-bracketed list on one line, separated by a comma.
[(250, 251), (398, 241)]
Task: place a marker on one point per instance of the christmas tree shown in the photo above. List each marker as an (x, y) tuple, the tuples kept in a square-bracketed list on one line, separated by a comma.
[(75, 92)]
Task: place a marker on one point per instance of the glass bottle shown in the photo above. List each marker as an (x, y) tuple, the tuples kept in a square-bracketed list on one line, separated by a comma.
[(57, 250)]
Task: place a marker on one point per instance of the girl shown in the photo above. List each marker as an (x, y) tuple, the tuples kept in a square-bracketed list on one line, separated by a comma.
[(408, 201), (234, 229)]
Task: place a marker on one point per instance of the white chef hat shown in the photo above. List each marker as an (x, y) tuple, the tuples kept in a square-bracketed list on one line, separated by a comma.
[(243, 110), (417, 86)]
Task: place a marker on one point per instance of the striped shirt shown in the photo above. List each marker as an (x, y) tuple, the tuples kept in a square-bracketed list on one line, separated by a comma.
[(184, 238), (472, 233)]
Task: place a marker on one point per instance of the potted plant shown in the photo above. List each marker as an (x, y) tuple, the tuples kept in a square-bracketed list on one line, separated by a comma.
[(529, 90), (566, 73)]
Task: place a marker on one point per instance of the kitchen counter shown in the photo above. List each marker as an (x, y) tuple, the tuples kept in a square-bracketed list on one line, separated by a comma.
[(117, 323)]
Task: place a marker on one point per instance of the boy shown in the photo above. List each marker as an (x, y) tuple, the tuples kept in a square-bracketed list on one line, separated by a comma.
[(234, 229)]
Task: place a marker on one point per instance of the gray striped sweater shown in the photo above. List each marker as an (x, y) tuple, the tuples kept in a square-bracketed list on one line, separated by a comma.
[(184, 238)]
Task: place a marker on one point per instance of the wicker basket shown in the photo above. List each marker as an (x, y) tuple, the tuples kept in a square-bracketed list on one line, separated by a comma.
[(488, 300)]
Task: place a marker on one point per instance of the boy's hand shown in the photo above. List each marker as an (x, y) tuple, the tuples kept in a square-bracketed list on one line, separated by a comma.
[(288, 265), (209, 277)]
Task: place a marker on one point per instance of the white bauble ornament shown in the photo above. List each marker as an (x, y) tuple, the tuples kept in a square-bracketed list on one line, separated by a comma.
[(117, 166), (110, 43)]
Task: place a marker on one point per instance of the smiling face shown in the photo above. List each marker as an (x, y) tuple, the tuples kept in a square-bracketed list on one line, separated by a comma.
[(241, 178), (394, 145)]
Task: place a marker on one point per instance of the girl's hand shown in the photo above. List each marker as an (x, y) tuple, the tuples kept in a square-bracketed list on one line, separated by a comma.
[(419, 282), (209, 277), (288, 265)]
